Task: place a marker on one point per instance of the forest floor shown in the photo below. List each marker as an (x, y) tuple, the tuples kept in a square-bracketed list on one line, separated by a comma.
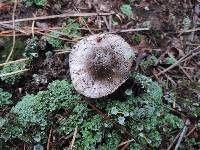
[(163, 33)]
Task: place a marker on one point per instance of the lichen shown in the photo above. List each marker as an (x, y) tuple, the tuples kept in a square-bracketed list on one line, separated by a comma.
[(5, 98), (143, 115), (10, 68)]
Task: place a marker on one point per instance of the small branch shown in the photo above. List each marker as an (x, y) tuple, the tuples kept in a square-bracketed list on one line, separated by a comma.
[(182, 134), (131, 30), (49, 139), (62, 52), (185, 72), (58, 16), (170, 146), (8, 26), (33, 27), (188, 31), (12, 62), (191, 131), (106, 22), (182, 59), (110, 23), (12, 73), (126, 142), (73, 139), (125, 146), (13, 25)]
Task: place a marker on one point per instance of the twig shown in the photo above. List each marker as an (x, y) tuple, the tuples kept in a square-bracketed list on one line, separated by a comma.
[(182, 134), (110, 23), (26, 30), (12, 73), (131, 30), (123, 143), (188, 31), (73, 139), (62, 52), (11, 62), (192, 55), (58, 16), (32, 27), (182, 59), (125, 146), (13, 25), (8, 26), (171, 80), (185, 72), (49, 139), (170, 146), (168, 77), (192, 130), (106, 22)]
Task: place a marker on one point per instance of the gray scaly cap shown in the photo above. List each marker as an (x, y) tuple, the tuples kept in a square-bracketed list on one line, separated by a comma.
[(99, 64)]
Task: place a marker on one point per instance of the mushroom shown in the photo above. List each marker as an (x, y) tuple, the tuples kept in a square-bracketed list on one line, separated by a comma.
[(99, 64)]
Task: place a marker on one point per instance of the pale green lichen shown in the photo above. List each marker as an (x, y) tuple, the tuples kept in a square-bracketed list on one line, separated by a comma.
[(14, 67), (143, 115), (5, 98)]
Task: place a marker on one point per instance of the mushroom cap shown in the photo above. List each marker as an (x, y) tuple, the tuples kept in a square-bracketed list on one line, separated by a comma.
[(99, 64)]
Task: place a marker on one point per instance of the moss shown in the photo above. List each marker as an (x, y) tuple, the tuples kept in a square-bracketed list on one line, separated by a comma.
[(70, 29), (144, 116), (32, 110), (126, 9), (5, 98), (35, 2), (149, 62), (137, 39), (11, 79)]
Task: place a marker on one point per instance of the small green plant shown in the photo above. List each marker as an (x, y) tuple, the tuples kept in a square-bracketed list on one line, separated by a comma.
[(5, 98), (137, 39), (53, 39), (14, 67), (126, 10), (170, 60), (70, 30), (150, 61), (35, 2)]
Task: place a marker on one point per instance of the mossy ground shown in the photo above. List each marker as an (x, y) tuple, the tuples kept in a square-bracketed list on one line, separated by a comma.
[(39, 108)]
